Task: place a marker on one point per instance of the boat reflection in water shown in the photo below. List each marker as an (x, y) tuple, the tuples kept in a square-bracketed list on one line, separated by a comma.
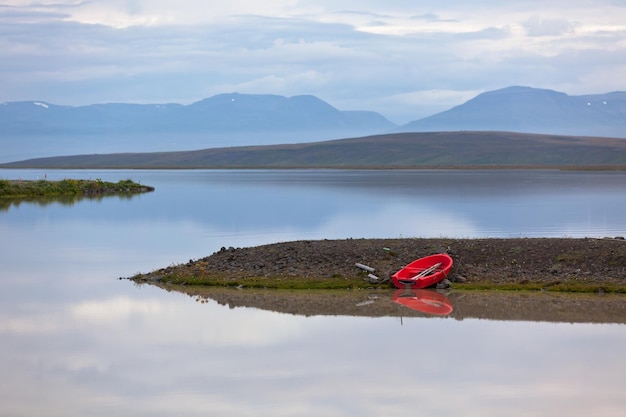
[(424, 301)]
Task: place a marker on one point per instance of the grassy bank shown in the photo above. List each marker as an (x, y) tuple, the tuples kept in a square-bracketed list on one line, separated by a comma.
[(17, 189), (360, 283)]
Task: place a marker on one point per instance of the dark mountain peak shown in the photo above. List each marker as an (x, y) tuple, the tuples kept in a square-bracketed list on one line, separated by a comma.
[(621, 95), (518, 95), (520, 89), (312, 103), (238, 99), (532, 110), (264, 102)]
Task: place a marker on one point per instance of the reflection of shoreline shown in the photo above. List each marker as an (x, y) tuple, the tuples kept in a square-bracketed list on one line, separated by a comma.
[(502, 305), (65, 200)]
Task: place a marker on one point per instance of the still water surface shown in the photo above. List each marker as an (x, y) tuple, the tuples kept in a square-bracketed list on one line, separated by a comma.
[(76, 341)]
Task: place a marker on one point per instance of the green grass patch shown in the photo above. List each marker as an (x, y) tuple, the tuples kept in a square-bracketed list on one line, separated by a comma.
[(278, 282), (573, 287), (343, 283), (67, 187)]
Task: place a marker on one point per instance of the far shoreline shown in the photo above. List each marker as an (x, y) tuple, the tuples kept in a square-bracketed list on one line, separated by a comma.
[(590, 168)]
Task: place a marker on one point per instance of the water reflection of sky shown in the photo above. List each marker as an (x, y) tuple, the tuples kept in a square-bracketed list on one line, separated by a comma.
[(76, 341), (238, 206), (155, 353)]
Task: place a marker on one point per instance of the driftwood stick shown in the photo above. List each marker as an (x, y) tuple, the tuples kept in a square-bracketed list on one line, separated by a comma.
[(365, 267)]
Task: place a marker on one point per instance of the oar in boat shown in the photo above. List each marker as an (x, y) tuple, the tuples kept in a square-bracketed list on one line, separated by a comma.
[(427, 271)]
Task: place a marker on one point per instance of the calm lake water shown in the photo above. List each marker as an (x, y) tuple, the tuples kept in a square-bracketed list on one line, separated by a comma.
[(76, 341)]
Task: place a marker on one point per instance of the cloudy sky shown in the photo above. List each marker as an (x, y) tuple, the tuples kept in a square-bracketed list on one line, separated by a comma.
[(404, 59)]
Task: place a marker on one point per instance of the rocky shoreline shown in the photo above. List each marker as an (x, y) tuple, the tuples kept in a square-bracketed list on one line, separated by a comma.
[(560, 264)]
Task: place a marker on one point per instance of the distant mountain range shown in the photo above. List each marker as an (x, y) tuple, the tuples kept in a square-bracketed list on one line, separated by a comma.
[(532, 110), (39, 129), (35, 128), (218, 114)]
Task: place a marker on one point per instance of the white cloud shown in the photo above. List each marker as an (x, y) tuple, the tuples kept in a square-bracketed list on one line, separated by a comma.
[(124, 13), (413, 223), (536, 26), (159, 321)]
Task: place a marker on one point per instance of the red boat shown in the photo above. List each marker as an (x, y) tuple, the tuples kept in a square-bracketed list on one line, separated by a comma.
[(423, 272), (425, 301)]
